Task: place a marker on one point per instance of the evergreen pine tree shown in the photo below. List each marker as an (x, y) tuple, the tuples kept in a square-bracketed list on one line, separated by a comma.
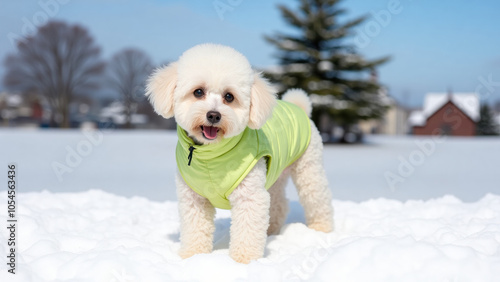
[(486, 124), (319, 60)]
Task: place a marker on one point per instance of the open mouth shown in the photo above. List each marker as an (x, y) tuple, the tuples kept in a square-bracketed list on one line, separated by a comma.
[(209, 132)]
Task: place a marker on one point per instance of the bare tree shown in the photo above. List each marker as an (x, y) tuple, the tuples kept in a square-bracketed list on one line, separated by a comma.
[(59, 61), (128, 71)]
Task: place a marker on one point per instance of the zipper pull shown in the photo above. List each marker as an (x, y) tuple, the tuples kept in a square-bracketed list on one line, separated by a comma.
[(190, 157)]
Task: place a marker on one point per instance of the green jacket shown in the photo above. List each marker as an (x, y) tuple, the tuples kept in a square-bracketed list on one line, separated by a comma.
[(215, 170)]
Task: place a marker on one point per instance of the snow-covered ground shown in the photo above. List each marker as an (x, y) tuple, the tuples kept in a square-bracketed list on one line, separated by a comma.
[(96, 236), (130, 232)]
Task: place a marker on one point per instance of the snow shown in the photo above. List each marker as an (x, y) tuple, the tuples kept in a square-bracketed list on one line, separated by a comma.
[(417, 118), (14, 100), (322, 99), (288, 44), (328, 100), (467, 102), (325, 66), (97, 236), (113, 217)]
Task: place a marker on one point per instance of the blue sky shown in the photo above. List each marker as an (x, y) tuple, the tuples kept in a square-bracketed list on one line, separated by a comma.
[(435, 45)]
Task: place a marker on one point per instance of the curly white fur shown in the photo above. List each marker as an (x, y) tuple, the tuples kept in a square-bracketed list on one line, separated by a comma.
[(197, 220), (250, 216), (256, 212), (299, 97)]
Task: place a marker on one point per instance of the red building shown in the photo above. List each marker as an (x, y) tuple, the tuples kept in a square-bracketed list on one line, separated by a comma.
[(448, 114)]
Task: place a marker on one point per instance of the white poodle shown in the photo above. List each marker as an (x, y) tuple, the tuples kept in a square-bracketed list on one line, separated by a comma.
[(237, 147)]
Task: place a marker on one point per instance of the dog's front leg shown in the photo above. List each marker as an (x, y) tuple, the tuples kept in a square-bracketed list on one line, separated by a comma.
[(250, 216), (197, 221)]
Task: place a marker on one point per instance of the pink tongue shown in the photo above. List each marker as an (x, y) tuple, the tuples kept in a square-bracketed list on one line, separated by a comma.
[(210, 132)]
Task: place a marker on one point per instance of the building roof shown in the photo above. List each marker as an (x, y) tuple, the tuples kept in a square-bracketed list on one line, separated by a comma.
[(116, 112), (11, 100), (466, 102), (417, 118)]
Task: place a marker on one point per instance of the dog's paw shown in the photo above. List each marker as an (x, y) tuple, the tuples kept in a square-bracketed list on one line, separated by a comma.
[(274, 229), (187, 253), (245, 254), (242, 258), (184, 254), (321, 226)]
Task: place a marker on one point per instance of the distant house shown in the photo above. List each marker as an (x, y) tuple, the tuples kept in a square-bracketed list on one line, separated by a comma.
[(447, 114), (20, 110), (394, 121), (115, 113)]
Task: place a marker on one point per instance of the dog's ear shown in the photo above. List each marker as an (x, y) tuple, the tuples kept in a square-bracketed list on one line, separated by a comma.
[(160, 89), (262, 102)]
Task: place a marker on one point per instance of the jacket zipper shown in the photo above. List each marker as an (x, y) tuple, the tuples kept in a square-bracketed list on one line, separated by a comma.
[(190, 156)]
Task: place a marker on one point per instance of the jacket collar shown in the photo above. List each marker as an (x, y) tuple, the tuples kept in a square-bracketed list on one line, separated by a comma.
[(208, 151)]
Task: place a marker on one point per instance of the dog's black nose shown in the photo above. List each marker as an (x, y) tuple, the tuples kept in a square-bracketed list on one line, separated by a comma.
[(213, 117)]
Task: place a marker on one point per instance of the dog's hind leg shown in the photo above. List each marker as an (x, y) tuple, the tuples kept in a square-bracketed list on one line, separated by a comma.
[(279, 204), (197, 221), (310, 179), (249, 216)]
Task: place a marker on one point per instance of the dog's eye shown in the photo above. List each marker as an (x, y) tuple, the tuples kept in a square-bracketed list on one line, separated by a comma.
[(229, 97), (198, 93)]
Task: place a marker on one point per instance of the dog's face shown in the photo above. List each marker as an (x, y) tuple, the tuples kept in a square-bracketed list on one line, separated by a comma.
[(213, 93)]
